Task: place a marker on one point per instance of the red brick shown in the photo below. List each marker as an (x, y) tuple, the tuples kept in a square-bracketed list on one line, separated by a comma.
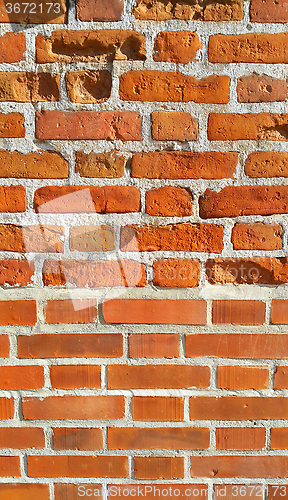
[(242, 377), (99, 10), (183, 438), (237, 345), (4, 346), (238, 312), (14, 378), (241, 466), (169, 201), (69, 345), (38, 16), (248, 48), (6, 408), (24, 491), (268, 11), (173, 126), (261, 270), (93, 125), (77, 466), (167, 43), (92, 238), (12, 48), (21, 437), (279, 312), (281, 377), (240, 438), (267, 164), (153, 345), (18, 312), (151, 489), (154, 311), (10, 466), (12, 124), (69, 438), (12, 199), (88, 86), (71, 311), (257, 236), (157, 376), (277, 492), (73, 408), (261, 88), (75, 376), (95, 199), (171, 86), (19, 86), (234, 201), (39, 165), (279, 438), (16, 272), (177, 237), (158, 408), (38, 238), (184, 165), (109, 164), (176, 272), (248, 126), (238, 408), (70, 491), (158, 467)]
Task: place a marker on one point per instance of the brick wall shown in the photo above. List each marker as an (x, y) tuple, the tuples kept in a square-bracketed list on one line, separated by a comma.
[(143, 239)]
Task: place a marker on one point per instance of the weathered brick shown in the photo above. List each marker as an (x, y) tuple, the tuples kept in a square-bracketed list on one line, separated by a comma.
[(240, 438), (169, 201), (12, 125), (177, 237), (95, 199), (153, 345), (261, 88), (69, 345), (71, 311), (234, 201), (242, 377), (40, 14), (93, 125), (167, 43), (36, 238), (171, 86), (93, 273), (262, 270), (281, 377), (73, 407), (239, 466), (88, 86), (99, 10), (267, 164), (160, 10), (249, 48), (21, 437), (173, 126), (90, 46), (238, 408), (24, 491), (257, 236), (75, 376), (248, 126), (107, 165), (12, 48), (176, 273), (238, 312), (10, 466), (70, 491), (4, 346), (184, 165), (279, 312), (29, 87), (157, 376), (279, 438), (18, 312), (13, 378), (92, 238), (268, 11), (158, 408), (69, 438), (158, 467), (277, 492), (155, 311), (12, 199), (77, 466), (40, 165)]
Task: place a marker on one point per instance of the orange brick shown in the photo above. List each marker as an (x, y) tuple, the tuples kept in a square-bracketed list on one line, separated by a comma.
[(24, 491), (109, 165), (10, 466), (38, 16), (70, 346), (21, 437), (176, 272), (277, 492), (12, 198), (158, 467), (71, 311), (6, 408), (19, 86), (69, 491), (247, 126), (238, 408), (4, 346), (21, 377), (239, 466), (73, 407), (173, 126), (153, 345), (75, 376), (36, 238), (242, 377), (16, 272), (171, 86), (158, 408), (184, 489), (12, 48), (279, 312), (160, 10), (267, 164), (69, 438), (167, 43), (12, 125), (77, 466), (38, 165), (279, 438), (88, 86), (157, 376), (169, 201), (257, 236), (281, 377), (240, 438), (18, 312), (238, 312), (261, 270)]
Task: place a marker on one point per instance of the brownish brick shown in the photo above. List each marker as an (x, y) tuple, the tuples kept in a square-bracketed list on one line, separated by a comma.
[(71, 311), (99, 10), (12, 125), (12, 47), (88, 86), (29, 87), (73, 438), (268, 11), (92, 238), (159, 10), (261, 88), (40, 165), (40, 14), (158, 467), (248, 126), (107, 165), (173, 126), (262, 270), (176, 273)]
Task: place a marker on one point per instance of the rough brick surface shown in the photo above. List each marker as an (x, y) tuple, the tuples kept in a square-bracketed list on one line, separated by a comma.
[(181, 437), (99, 10), (92, 164), (29, 87), (88, 86), (31, 238), (257, 236), (12, 125), (176, 272), (173, 126), (55, 14), (12, 199), (248, 126), (261, 88), (166, 46), (267, 164), (39, 165), (268, 11), (263, 270), (169, 201), (92, 238), (200, 10), (12, 47)]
